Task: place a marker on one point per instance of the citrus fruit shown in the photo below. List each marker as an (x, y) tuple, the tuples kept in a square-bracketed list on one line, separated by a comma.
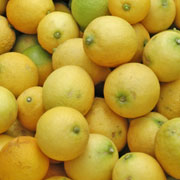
[(24, 41), (155, 20), (69, 86), (25, 15), (61, 6), (8, 109), (55, 170), (162, 53), (4, 139), (7, 36), (96, 162), (177, 18), (17, 72), (168, 103), (142, 132), (30, 107), (110, 41), (62, 133), (55, 28), (42, 60), (132, 11), (58, 178), (143, 37), (137, 165), (16, 129), (3, 6), (131, 90), (85, 11), (71, 52), (102, 120), (167, 146), (22, 159)]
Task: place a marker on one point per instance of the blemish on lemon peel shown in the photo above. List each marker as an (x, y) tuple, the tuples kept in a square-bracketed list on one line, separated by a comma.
[(178, 41), (57, 35), (158, 122), (122, 98), (28, 99), (126, 7), (127, 156), (164, 3), (111, 150), (89, 40), (76, 129)]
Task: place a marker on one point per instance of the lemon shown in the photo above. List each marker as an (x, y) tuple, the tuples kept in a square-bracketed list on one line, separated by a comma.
[(131, 90), (96, 162), (161, 54), (168, 103), (22, 159), (55, 28), (85, 11), (110, 41), (71, 52), (132, 11), (4, 139), (160, 16), (62, 133), (17, 72), (25, 15), (24, 41), (7, 35), (69, 86), (167, 147), (30, 107), (43, 61), (102, 120), (142, 132), (137, 165), (8, 109)]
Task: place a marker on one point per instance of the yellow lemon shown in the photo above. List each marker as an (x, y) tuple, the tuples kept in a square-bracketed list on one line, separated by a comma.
[(71, 52), (61, 6), (167, 147), (162, 53), (3, 4), (143, 37), (177, 18), (69, 86), (55, 28), (132, 11), (161, 15), (102, 120), (7, 35), (42, 59), (17, 72), (30, 107), (96, 162), (110, 41), (142, 132), (131, 90), (24, 41), (137, 165), (169, 102), (62, 133), (4, 139), (25, 15), (22, 159), (8, 109), (55, 170), (58, 178)]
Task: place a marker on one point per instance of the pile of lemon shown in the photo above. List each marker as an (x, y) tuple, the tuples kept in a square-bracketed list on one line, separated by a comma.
[(89, 90)]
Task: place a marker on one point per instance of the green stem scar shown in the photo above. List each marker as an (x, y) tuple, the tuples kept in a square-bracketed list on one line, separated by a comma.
[(57, 35), (127, 156), (89, 40), (126, 7), (28, 99), (76, 129), (178, 41), (111, 150)]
